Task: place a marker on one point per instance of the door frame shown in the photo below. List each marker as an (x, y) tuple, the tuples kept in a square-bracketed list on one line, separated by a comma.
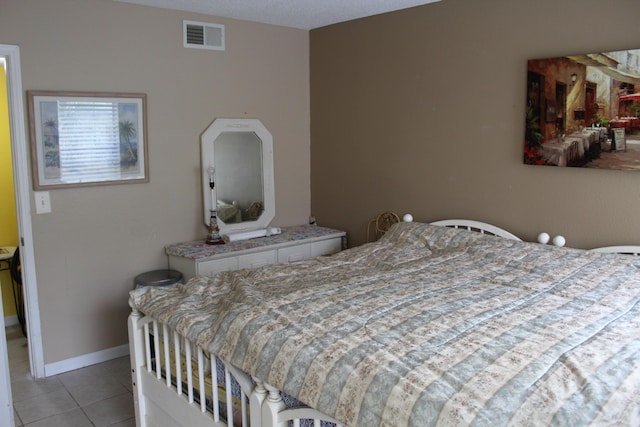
[(20, 158)]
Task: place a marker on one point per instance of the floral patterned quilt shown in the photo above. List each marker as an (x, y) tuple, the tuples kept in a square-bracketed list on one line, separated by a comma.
[(429, 326)]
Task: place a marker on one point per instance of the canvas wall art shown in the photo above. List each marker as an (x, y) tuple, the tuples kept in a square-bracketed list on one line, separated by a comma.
[(583, 111)]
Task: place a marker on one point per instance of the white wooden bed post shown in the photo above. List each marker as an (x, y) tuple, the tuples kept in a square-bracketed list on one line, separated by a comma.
[(256, 399), (136, 353), (272, 407)]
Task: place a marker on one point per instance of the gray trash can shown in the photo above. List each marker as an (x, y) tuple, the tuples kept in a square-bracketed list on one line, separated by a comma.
[(158, 278)]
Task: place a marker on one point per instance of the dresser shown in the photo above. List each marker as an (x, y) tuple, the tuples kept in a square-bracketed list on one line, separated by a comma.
[(293, 244)]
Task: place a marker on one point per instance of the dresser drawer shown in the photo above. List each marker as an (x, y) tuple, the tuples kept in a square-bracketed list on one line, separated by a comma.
[(209, 268), (253, 260), (294, 253), (257, 259), (326, 247)]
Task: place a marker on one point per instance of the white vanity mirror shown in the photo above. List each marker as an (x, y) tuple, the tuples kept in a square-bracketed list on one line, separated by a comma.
[(237, 154)]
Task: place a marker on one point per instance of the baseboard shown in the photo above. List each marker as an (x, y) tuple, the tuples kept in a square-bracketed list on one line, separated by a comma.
[(10, 321), (74, 363)]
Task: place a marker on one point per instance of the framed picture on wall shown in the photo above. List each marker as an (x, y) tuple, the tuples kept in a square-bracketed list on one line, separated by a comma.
[(574, 106), (84, 139)]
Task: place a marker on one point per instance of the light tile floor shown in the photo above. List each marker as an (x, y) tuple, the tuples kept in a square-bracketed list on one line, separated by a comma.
[(98, 395)]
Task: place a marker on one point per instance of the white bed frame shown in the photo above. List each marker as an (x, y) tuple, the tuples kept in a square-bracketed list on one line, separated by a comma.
[(484, 228), (478, 226), (161, 402), (625, 250)]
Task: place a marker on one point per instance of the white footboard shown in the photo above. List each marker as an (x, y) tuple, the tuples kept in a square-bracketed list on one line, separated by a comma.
[(276, 414), (177, 384)]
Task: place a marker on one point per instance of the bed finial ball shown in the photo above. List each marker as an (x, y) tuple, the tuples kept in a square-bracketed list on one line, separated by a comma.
[(559, 241), (407, 218), (543, 238)]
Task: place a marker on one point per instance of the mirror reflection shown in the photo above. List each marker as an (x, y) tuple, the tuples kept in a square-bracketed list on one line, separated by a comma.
[(237, 155), (238, 163)]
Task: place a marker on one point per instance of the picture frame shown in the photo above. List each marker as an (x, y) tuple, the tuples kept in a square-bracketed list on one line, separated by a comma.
[(83, 139), (575, 105)]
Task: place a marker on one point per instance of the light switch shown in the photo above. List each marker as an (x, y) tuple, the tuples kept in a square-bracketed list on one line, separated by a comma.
[(43, 202)]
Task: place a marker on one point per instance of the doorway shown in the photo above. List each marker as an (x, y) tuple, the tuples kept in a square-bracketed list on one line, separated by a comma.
[(590, 104), (10, 61), (561, 104), (8, 222)]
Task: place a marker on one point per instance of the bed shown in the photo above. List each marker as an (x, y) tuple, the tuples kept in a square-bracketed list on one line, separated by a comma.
[(623, 249), (430, 325)]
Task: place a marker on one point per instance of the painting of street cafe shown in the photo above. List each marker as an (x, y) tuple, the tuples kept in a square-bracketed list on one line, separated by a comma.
[(582, 111)]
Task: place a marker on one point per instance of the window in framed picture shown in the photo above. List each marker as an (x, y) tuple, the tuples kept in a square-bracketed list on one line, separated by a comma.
[(82, 139)]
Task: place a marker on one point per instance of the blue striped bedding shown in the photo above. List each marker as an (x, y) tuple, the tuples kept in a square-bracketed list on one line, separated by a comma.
[(429, 326)]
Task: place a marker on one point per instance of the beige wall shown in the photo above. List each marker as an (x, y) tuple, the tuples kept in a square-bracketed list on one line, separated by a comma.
[(423, 110), (418, 111), (97, 239)]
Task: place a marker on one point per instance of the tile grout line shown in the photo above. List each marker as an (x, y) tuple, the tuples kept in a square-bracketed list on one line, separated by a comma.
[(19, 351)]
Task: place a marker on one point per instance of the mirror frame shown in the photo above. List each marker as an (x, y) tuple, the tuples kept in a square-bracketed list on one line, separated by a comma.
[(218, 127)]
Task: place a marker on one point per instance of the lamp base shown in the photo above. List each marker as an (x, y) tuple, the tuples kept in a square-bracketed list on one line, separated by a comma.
[(213, 237)]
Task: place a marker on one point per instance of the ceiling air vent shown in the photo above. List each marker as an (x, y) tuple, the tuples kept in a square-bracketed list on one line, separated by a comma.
[(201, 35)]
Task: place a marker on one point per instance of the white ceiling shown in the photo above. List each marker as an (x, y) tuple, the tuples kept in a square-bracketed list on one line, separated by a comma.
[(303, 14)]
